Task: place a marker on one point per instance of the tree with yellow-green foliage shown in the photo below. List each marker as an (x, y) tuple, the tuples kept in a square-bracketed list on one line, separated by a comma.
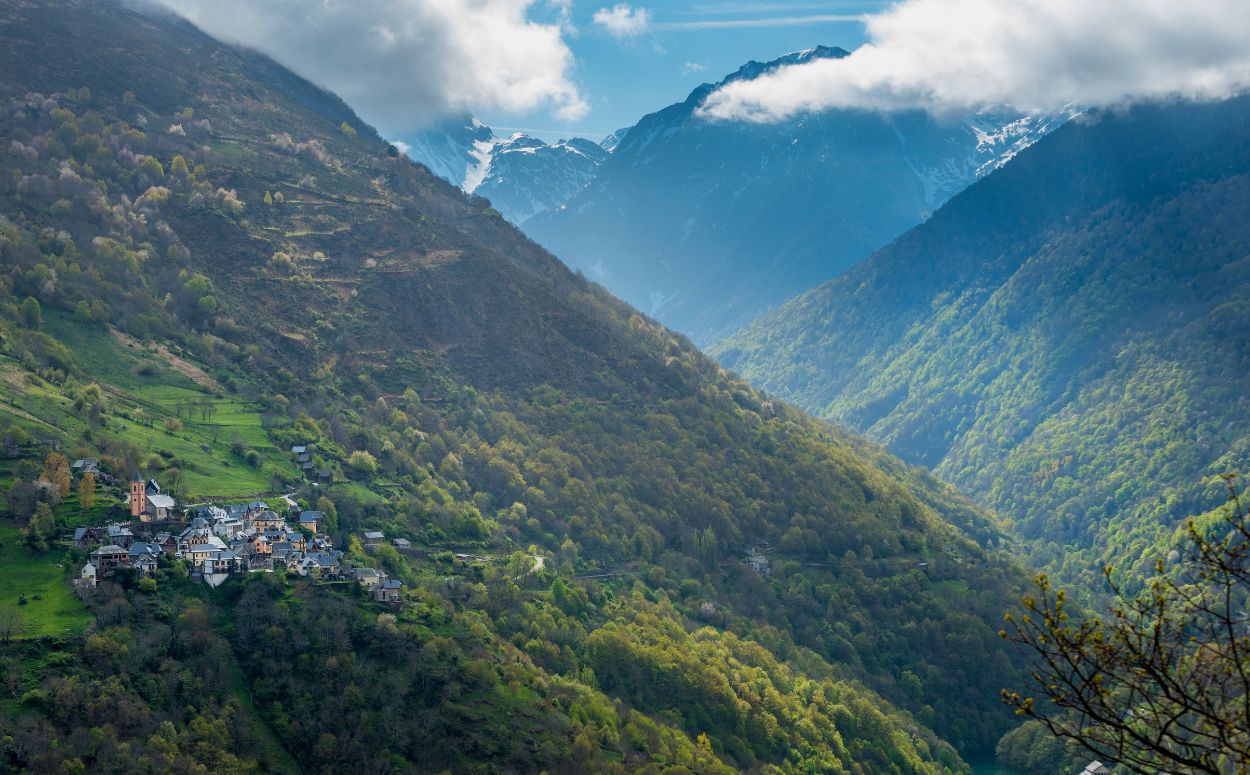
[(86, 491), (331, 512), (362, 463), (152, 167), (56, 471)]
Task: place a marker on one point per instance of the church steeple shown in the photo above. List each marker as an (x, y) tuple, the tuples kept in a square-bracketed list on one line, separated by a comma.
[(138, 495)]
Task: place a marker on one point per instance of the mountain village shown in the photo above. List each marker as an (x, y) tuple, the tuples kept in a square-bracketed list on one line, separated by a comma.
[(219, 541)]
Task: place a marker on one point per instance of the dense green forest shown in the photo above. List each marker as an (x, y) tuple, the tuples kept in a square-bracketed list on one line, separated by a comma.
[(274, 673), (1068, 340), (207, 260)]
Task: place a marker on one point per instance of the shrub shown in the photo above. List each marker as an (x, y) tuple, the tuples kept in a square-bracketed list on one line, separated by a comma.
[(31, 315), (362, 463)]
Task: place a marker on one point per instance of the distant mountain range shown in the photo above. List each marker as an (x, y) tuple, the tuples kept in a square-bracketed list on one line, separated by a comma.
[(707, 224), (521, 175), (1068, 340)]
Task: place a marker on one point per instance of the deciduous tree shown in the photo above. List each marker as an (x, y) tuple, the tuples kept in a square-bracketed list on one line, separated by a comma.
[(56, 471), (1162, 684), (41, 525), (86, 491)]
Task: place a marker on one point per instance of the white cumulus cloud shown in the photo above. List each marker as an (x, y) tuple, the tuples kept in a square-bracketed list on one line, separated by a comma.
[(402, 63), (1033, 55), (623, 21)]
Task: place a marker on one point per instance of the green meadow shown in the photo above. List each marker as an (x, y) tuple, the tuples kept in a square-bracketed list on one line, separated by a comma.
[(153, 403), (50, 607)]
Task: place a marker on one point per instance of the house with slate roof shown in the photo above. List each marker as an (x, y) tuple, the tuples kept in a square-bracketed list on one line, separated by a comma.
[(85, 465), (311, 520), (108, 558), (118, 534), (168, 543), (87, 536), (369, 577), (160, 508), (227, 526), (265, 518), (388, 591), (143, 557)]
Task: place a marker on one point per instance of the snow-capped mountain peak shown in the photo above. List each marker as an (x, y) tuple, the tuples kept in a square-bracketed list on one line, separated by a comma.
[(753, 69), (520, 174), (614, 139)]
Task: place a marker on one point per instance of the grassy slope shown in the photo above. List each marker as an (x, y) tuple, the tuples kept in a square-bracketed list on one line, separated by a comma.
[(51, 607), (120, 370)]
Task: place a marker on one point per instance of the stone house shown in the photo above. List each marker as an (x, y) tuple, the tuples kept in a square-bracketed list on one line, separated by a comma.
[(388, 591), (108, 558)]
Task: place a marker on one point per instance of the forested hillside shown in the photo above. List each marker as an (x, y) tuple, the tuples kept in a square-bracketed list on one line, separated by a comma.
[(207, 261), (1068, 340)]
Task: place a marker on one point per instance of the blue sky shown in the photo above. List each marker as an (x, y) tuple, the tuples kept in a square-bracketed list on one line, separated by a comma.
[(685, 44)]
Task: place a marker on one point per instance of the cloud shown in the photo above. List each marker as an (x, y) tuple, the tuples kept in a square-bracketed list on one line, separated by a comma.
[(623, 21), (1032, 55), (404, 63), (760, 22), (692, 67), (563, 10), (722, 8)]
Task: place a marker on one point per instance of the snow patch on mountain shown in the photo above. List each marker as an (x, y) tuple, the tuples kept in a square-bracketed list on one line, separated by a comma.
[(482, 154), (613, 139), (526, 176), (995, 140), (447, 147), (999, 142)]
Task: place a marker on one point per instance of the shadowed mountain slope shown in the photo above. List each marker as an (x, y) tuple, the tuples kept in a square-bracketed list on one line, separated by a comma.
[(1066, 340)]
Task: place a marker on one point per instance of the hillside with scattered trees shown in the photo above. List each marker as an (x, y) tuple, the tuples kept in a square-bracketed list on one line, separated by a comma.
[(207, 261)]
